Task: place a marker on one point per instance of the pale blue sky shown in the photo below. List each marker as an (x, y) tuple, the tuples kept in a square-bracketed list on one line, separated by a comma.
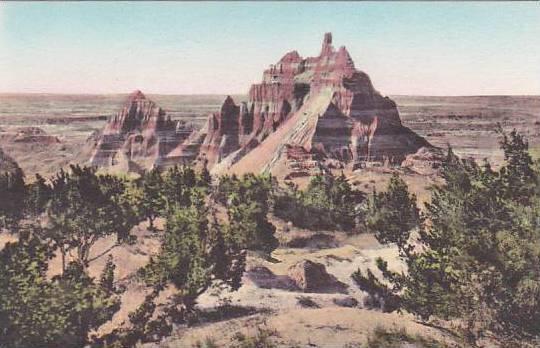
[(450, 48)]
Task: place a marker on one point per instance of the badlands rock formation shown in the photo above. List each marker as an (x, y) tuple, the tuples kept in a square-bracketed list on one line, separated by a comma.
[(138, 137), (28, 135), (306, 114)]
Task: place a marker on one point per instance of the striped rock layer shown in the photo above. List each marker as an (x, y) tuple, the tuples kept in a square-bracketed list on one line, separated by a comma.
[(304, 114)]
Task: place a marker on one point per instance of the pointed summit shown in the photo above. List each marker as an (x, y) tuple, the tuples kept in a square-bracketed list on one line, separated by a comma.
[(136, 95), (343, 59), (327, 44), (228, 107), (228, 101), (327, 39), (290, 57), (137, 137)]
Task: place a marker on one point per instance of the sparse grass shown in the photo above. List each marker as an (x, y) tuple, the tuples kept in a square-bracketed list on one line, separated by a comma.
[(385, 338), (261, 339), (209, 342)]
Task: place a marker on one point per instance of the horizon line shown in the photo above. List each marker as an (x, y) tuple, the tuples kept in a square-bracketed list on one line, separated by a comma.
[(245, 94)]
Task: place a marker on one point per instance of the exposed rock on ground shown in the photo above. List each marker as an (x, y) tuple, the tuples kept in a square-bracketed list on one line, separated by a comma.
[(425, 161), (316, 240), (311, 276), (346, 302), (264, 278)]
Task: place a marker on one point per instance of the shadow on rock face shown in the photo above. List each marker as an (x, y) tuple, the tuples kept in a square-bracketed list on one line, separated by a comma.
[(316, 241), (311, 276), (305, 276), (264, 278)]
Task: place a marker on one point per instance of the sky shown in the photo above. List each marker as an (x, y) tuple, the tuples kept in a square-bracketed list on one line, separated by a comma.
[(410, 48)]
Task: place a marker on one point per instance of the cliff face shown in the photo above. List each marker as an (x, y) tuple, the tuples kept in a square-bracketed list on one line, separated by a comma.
[(329, 111), (139, 136)]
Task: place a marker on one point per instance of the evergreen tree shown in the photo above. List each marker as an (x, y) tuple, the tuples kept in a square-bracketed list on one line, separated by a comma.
[(393, 214), (39, 194), (329, 202), (13, 193), (205, 179), (477, 256), (85, 207), (178, 184), (194, 253), (248, 203), (36, 311), (152, 200), (249, 225), (106, 280)]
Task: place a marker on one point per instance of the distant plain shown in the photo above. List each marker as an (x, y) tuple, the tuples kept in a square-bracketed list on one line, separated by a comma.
[(468, 124)]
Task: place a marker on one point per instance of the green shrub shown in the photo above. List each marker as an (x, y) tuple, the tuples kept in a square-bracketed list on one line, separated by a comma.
[(328, 203), (248, 202), (36, 311)]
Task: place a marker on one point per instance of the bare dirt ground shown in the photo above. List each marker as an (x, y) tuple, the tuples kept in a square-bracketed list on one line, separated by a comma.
[(325, 323), (307, 327)]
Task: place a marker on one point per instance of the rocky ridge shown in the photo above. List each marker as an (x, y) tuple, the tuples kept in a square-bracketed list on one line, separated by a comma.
[(138, 137), (305, 115)]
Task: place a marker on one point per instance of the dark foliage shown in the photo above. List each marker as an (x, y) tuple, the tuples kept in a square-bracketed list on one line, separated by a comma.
[(476, 256), (13, 192), (248, 202), (85, 207), (38, 312), (328, 203)]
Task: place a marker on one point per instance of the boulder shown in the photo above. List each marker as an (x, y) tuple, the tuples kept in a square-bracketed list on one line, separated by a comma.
[(311, 276)]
